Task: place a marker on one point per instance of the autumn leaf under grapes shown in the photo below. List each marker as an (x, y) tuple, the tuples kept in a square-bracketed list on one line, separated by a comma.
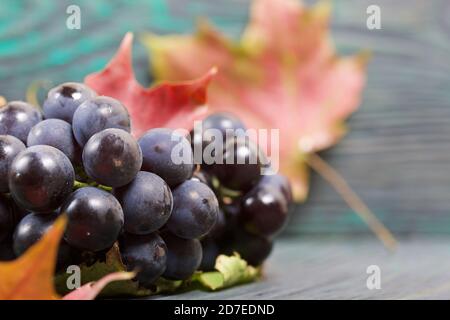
[(30, 277), (282, 74)]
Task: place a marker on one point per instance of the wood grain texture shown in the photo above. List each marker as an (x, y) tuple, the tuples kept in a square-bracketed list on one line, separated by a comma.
[(397, 153), (335, 268)]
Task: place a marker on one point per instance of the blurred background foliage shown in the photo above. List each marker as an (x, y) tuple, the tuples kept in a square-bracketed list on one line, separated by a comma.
[(396, 154)]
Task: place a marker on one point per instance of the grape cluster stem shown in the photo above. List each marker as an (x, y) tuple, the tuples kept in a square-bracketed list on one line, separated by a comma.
[(79, 184)]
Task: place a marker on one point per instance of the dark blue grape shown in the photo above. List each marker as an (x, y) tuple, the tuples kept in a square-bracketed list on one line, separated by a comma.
[(280, 182), (219, 227), (6, 219), (67, 256), (98, 114), (224, 123), (41, 178), (241, 167), (183, 258), (146, 203), (159, 147), (264, 210), (17, 118), (95, 219), (232, 212), (6, 251), (56, 133), (145, 254), (18, 212), (203, 177), (252, 248), (89, 258), (9, 148), (210, 251), (63, 100), (31, 229), (112, 157), (195, 210)]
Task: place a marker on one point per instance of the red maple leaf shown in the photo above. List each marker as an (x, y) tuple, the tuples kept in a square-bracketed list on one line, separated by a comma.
[(170, 105), (283, 74)]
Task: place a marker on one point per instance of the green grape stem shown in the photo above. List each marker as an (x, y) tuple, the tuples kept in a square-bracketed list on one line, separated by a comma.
[(79, 184)]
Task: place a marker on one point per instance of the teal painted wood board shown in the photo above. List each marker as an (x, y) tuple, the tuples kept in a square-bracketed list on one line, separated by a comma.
[(396, 155)]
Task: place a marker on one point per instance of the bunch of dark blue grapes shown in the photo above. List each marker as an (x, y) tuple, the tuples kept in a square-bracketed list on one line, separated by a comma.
[(78, 158), (253, 206)]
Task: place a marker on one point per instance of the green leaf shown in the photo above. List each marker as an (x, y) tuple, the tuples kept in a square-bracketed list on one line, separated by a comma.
[(212, 280), (231, 271), (96, 271), (167, 286)]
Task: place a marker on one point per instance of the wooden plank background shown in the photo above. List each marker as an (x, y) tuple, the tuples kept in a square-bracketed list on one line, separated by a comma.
[(397, 155), (336, 268)]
